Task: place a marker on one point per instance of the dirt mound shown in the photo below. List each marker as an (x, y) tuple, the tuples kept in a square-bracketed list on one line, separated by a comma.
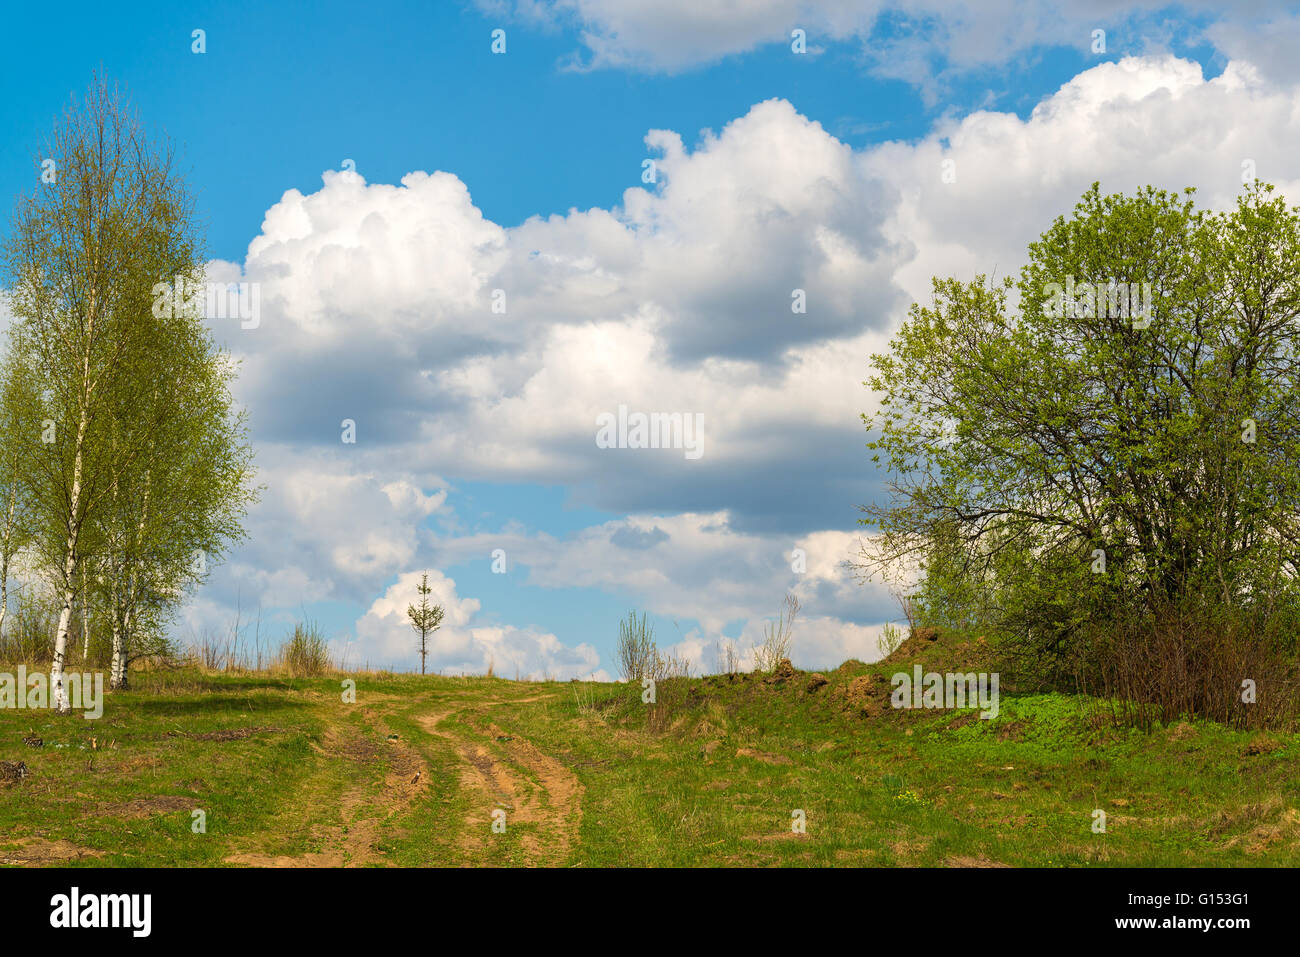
[(866, 695), (783, 672), (916, 645), (936, 649), (1261, 744)]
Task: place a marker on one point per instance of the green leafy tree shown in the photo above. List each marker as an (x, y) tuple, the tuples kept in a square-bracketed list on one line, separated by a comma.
[(106, 446), (1120, 440), (425, 618), (174, 511)]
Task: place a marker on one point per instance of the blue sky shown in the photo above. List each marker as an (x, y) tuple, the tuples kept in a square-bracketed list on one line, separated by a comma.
[(281, 95), (821, 172)]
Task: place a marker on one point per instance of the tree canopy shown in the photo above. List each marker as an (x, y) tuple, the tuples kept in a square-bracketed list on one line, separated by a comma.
[(1115, 432)]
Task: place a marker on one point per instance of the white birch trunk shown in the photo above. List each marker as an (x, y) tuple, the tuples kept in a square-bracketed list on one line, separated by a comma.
[(58, 692), (4, 561), (117, 667), (118, 678), (85, 619), (117, 673)]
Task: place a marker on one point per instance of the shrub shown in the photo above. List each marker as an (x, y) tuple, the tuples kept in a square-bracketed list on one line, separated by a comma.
[(636, 647), (1194, 662), (778, 636), (306, 653), (890, 638)]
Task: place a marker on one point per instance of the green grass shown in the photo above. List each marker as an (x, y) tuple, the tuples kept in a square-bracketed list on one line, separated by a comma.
[(589, 783)]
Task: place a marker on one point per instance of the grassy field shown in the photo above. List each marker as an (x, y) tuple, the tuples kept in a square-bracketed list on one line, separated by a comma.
[(287, 774)]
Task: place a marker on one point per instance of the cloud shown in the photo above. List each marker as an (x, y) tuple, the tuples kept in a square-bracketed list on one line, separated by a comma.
[(377, 305), (324, 530), (1269, 43), (692, 566), (927, 43), (679, 300), (817, 643), (1144, 120), (464, 644)]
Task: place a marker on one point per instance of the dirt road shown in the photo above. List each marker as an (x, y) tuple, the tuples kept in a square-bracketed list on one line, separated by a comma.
[(509, 791)]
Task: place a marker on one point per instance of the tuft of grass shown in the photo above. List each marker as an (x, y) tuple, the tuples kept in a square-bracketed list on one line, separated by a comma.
[(306, 653), (636, 647), (778, 637)]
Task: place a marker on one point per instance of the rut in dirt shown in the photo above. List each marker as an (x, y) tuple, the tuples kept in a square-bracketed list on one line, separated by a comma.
[(506, 772)]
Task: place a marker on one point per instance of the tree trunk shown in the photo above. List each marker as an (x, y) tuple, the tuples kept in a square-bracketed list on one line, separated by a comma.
[(4, 596), (85, 618), (117, 680), (117, 669), (118, 675), (58, 692), (4, 562)]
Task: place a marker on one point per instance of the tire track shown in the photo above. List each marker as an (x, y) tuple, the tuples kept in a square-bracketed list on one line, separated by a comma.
[(531, 786), (364, 813)]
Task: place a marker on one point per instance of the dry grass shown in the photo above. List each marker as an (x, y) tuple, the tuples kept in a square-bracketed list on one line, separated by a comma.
[(778, 638), (306, 653)]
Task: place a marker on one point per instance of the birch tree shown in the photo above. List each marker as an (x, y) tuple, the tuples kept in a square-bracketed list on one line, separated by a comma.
[(174, 510), (85, 251)]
